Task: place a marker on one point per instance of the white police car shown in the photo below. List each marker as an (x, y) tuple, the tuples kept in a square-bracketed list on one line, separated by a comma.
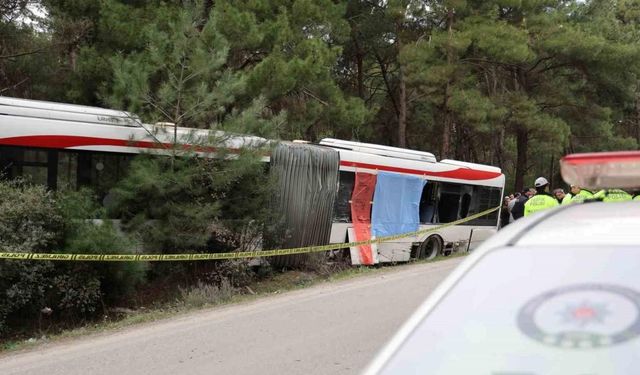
[(554, 293)]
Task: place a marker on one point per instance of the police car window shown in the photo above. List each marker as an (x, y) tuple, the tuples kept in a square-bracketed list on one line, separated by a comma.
[(533, 311)]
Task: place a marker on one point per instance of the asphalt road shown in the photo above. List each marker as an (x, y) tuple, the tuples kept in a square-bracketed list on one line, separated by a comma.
[(332, 328)]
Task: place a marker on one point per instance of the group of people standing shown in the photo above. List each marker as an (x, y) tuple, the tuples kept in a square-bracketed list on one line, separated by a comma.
[(539, 198)]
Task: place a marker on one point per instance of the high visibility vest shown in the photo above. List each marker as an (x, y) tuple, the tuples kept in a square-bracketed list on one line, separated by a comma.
[(636, 198), (581, 196), (539, 202), (567, 199), (613, 195)]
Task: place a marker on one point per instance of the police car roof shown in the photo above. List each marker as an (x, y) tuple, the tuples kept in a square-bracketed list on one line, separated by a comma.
[(591, 223)]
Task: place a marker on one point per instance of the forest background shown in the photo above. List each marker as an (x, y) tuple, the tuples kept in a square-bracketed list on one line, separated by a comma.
[(515, 84)]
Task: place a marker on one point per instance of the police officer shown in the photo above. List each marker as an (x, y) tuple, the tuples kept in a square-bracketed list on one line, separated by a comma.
[(542, 200), (561, 196), (613, 195), (579, 194)]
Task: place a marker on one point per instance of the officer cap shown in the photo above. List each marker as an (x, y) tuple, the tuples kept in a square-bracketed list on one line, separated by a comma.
[(541, 181)]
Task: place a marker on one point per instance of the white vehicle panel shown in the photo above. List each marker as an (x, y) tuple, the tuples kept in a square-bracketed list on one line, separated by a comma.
[(586, 225), (584, 321), (39, 132), (361, 162), (478, 235)]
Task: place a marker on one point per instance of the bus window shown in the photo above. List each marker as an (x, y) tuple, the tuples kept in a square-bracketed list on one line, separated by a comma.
[(33, 165), (35, 175), (100, 170), (428, 202), (67, 178), (342, 207), (106, 170), (449, 202), (464, 208), (484, 198), (8, 162)]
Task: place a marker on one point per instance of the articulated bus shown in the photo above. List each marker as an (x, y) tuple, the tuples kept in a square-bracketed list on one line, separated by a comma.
[(68, 146)]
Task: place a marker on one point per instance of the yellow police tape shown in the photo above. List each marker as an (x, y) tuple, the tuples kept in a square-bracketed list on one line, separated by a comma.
[(232, 255)]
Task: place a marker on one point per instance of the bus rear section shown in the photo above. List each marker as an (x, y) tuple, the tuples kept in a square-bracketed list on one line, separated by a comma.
[(411, 192)]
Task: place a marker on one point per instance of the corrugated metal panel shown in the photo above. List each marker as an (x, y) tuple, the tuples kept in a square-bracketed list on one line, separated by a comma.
[(308, 184)]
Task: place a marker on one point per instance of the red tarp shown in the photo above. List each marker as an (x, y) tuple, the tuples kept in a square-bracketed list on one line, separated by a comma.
[(361, 212)]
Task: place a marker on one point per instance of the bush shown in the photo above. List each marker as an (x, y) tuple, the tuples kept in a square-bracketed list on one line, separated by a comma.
[(207, 294), (29, 222), (29, 218), (33, 220), (117, 280)]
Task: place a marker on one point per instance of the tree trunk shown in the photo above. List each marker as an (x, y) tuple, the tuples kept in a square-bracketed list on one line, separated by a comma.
[(402, 99), (402, 116), (73, 59), (637, 118), (359, 60), (445, 151), (499, 151), (552, 171), (522, 140), (448, 116)]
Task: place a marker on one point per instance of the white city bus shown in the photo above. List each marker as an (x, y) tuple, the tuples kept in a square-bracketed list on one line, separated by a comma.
[(68, 146)]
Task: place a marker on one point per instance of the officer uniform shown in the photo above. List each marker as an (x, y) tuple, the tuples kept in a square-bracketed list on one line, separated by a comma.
[(582, 196), (541, 201), (613, 195), (567, 198)]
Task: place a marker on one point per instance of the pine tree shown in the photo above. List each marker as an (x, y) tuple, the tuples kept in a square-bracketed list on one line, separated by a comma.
[(183, 77), (525, 74), (289, 52)]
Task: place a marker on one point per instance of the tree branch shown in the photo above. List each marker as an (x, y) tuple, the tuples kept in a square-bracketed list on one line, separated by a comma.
[(540, 61), (14, 86), (308, 92), (20, 54), (386, 82), (553, 66), (149, 100)]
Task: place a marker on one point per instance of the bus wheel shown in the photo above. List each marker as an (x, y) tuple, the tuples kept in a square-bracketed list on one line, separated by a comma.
[(431, 247)]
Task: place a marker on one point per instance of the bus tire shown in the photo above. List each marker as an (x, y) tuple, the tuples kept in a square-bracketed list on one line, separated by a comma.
[(431, 247)]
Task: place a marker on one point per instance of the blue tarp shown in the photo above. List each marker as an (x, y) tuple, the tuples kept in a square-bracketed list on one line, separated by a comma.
[(396, 204)]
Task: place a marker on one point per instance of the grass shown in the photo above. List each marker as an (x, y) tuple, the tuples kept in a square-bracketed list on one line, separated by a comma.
[(202, 296)]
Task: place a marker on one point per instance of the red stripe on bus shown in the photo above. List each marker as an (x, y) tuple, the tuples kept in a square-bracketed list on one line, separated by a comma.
[(69, 141), (459, 173)]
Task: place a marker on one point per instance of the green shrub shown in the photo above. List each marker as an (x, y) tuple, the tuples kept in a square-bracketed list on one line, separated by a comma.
[(29, 218), (82, 236), (35, 220), (29, 222), (203, 294)]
